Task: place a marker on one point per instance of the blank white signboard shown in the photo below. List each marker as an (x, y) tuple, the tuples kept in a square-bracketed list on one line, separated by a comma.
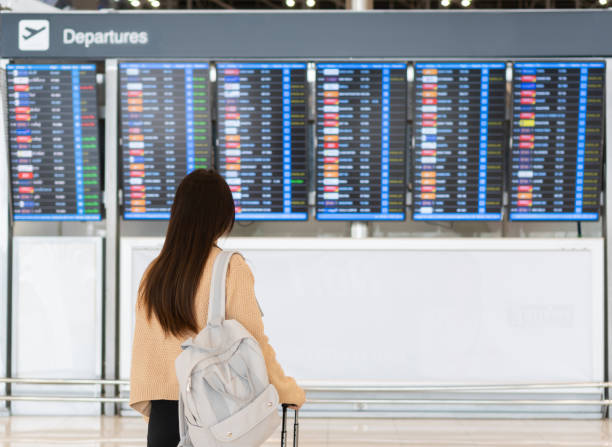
[(406, 311), (57, 318)]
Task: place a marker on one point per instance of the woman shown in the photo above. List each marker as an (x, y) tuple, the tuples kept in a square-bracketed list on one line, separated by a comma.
[(173, 303)]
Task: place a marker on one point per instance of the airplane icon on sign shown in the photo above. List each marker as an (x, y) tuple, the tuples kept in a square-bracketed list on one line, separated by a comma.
[(32, 32), (34, 35)]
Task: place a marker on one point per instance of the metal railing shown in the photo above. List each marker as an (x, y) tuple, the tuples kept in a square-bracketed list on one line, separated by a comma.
[(67, 382), (457, 388)]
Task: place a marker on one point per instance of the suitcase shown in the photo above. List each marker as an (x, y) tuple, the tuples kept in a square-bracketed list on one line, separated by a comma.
[(296, 428)]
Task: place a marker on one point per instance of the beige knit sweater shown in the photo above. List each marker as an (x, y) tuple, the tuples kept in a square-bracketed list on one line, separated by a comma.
[(153, 376)]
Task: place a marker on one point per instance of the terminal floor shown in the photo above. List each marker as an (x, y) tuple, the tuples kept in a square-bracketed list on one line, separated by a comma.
[(130, 431)]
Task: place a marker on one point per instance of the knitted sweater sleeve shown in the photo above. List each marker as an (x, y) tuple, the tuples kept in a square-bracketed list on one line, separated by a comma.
[(242, 306)]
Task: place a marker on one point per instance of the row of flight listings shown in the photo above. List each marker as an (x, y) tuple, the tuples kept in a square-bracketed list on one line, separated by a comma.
[(361, 114)]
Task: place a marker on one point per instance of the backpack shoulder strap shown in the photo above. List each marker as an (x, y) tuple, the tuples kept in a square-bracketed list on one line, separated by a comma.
[(216, 301)]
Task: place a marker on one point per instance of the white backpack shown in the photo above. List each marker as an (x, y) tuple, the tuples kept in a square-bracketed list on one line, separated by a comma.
[(226, 398)]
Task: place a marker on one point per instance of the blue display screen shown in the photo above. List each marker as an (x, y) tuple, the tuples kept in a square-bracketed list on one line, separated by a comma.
[(165, 129), (361, 141), (53, 142), (262, 117), (557, 138), (459, 111)]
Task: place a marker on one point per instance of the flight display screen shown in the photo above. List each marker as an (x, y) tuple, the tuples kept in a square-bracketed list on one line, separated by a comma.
[(165, 132), (557, 138), (361, 114), (53, 141), (262, 118), (459, 141)]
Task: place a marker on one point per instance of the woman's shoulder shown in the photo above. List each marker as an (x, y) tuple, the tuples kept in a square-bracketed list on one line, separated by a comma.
[(238, 266), (238, 261)]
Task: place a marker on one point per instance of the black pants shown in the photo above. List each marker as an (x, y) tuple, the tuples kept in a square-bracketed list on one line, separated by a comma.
[(163, 424)]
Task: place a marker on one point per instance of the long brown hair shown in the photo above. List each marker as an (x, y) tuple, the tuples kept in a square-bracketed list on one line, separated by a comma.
[(203, 211)]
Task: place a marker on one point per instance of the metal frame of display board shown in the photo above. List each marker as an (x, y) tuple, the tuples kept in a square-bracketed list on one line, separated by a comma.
[(5, 232), (607, 227), (111, 297), (110, 267)]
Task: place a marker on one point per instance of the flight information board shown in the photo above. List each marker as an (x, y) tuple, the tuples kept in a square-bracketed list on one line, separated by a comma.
[(459, 141), (165, 132), (53, 140), (557, 137), (262, 113), (361, 141)]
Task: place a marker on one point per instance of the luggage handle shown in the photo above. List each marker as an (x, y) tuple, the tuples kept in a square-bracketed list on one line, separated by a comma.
[(296, 427)]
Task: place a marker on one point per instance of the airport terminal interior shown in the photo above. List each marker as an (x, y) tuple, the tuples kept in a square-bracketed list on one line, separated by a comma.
[(420, 192)]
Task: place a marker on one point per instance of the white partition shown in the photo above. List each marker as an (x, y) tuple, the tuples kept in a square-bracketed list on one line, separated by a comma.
[(404, 311), (135, 256), (57, 319)]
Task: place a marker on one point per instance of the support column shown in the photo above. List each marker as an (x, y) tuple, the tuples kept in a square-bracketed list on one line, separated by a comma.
[(110, 366), (359, 230), (359, 5)]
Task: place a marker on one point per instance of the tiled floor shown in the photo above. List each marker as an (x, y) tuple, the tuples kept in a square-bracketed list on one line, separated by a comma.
[(128, 431)]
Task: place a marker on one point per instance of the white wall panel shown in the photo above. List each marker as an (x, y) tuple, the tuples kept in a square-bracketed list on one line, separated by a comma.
[(57, 318), (415, 310)]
